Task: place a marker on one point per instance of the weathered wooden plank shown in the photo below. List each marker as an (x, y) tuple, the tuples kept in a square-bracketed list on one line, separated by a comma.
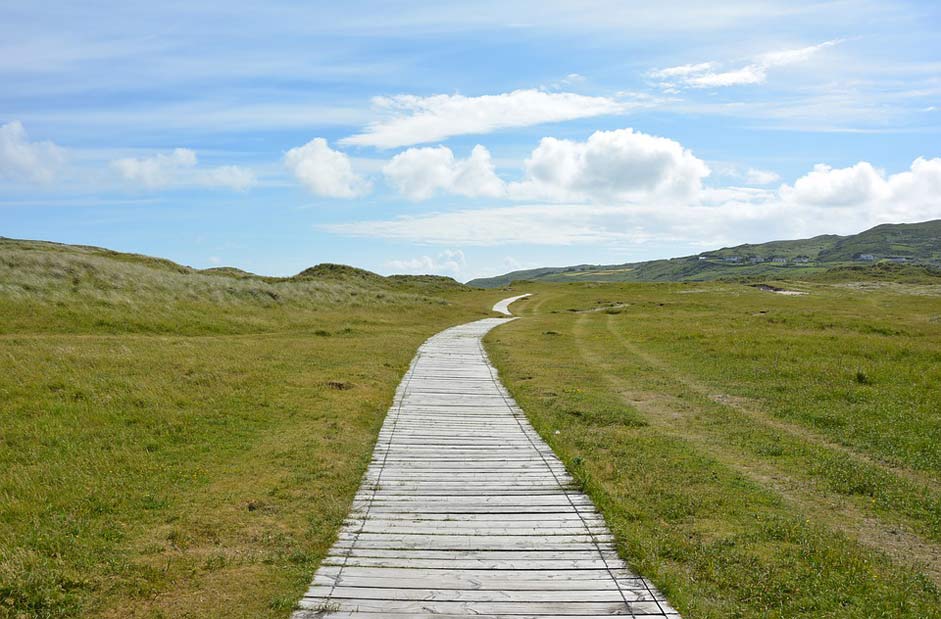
[(488, 586), (609, 557), (346, 592), (469, 564), (302, 614), (475, 608)]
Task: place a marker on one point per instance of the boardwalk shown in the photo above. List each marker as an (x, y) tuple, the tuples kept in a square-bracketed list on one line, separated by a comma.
[(466, 512)]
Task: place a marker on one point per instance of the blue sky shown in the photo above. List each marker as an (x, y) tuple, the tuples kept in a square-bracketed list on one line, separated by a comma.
[(466, 140)]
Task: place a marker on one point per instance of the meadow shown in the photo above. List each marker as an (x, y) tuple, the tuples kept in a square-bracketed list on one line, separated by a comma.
[(184, 443), (755, 454), (181, 443)]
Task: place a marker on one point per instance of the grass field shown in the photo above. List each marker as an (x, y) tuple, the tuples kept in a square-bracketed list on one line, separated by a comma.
[(756, 455), (182, 443), (176, 443)]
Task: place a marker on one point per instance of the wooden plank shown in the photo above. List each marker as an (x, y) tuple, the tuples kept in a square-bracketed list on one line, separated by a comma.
[(614, 608), (302, 614), (469, 564), (345, 592)]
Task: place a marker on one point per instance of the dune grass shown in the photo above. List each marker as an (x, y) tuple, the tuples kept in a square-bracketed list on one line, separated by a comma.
[(177, 443), (756, 455)]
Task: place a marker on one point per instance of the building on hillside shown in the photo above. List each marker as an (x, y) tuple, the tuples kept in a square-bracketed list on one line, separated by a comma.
[(801, 259), (779, 260), (899, 259), (735, 259), (865, 257), (756, 259)]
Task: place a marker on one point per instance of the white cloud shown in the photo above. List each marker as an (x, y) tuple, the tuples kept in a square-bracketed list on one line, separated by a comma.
[(419, 173), (449, 262), (905, 196), (533, 225), (792, 56), (620, 165), (569, 80), (160, 170), (826, 186), (703, 74), (682, 70), (22, 160), (416, 120), (178, 168), (725, 195), (761, 177), (231, 176), (752, 74), (826, 200), (611, 165), (324, 171)]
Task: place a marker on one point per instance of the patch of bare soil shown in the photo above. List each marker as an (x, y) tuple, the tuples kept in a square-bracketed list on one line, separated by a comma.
[(776, 290)]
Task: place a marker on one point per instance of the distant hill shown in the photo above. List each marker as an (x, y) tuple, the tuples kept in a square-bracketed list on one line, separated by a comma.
[(50, 264), (918, 243)]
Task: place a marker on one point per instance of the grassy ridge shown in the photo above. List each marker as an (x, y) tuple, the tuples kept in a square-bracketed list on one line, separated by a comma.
[(177, 443), (920, 243), (757, 455)]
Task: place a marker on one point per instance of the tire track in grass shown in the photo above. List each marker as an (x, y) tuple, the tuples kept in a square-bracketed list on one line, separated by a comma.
[(836, 511), (753, 412)]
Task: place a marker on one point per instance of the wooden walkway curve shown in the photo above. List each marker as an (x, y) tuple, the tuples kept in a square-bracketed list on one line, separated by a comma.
[(466, 512)]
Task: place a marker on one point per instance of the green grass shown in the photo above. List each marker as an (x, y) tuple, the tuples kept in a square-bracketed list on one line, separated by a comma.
[(756, 455), (920, 242), (185, 443), (177, 443)]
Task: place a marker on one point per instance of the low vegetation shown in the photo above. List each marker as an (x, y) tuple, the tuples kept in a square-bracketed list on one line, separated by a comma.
[(755, 454), (183, 443), (887, 244), (186, 443)]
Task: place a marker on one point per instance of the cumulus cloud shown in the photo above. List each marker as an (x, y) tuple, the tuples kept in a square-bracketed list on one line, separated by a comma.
[(324, 171), (826, 200), (419, 173), (22, 160), (611, 165), (620, 165), (904, 196), (449, 261), (826, 186), (761, 177), (415, 120), (157, 171), (179, 168), (705, 75)]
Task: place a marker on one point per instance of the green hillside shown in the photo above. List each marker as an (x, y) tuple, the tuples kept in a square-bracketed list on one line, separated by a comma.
[(918, 243)]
